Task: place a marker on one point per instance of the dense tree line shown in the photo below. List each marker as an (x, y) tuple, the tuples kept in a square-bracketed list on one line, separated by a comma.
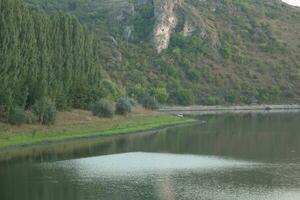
[(45, 56)]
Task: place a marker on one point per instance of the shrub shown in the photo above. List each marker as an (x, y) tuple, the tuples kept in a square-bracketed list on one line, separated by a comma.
[(138, 92), (150, 102), (232, 96), (193, 75), (132, 101), (45, 111), (109, 89), (161, 94), (31, 118), (79, 95), (213, 100), (16, 116), (102, 108), (184, 97), (123, 106)]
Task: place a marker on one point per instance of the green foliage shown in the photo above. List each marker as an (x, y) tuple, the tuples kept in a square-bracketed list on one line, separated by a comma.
[(109, 89), (17, 116), (45, 110), (184, 97), (123, 106), (132, 101), (79, 93), (231, 96), (226, 50), (193, 75), (150, 102), (213, 100), (30, 117), (82, 94), (102, 108), (193, 45), (266, 94), (137, 92), (160, 94), (143, 21)]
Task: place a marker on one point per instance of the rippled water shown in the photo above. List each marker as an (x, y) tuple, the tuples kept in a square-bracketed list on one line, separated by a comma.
[(232, 157)]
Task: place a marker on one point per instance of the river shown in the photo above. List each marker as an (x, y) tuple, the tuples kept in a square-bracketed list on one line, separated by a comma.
[(231, 157)]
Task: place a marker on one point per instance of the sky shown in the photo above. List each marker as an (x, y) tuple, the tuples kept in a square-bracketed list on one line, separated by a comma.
[(292, 2)]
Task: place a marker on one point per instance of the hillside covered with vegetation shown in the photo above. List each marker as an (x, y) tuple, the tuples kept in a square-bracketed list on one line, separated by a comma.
[(75, 52)]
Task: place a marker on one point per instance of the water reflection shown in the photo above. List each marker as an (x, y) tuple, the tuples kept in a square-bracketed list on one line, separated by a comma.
[(151, 176), (134, 164), (258, 137)]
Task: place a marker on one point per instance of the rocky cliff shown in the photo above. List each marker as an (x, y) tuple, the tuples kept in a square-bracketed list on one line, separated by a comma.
[(166, 19), (169, 16)]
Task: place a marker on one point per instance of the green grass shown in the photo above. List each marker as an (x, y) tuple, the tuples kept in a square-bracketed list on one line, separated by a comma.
[(111, 127)]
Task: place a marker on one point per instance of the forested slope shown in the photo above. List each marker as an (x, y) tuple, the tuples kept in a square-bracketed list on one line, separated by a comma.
[(77, 51), (220, 51)]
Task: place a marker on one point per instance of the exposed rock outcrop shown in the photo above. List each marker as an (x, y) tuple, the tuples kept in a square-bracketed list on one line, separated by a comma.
[(166, 16), (167, 13), (195, 22), (166, 21), (189, 27)]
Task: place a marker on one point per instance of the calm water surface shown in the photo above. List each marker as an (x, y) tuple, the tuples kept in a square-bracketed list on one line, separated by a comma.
[(247, 157)]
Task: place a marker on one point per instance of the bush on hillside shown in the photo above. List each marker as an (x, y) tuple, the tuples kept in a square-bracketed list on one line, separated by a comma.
[(123, 106), (184, 97), (150, 102), (132, 101), (213, 100), (17, 116), (30, 117), (232, 96), (161, 94), (102, 108), (45, 110)]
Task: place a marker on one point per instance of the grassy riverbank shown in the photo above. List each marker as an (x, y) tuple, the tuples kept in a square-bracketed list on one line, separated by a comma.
[(80, 124)]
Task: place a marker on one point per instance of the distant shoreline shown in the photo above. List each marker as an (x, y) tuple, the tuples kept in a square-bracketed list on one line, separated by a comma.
[(199, 109)]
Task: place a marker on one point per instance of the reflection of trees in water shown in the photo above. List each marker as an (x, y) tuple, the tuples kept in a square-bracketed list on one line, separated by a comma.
[(252, 136)]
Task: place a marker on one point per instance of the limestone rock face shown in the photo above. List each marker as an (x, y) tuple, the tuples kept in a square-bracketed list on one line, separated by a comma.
[(188, 27), (169, 15), (166, 21)]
